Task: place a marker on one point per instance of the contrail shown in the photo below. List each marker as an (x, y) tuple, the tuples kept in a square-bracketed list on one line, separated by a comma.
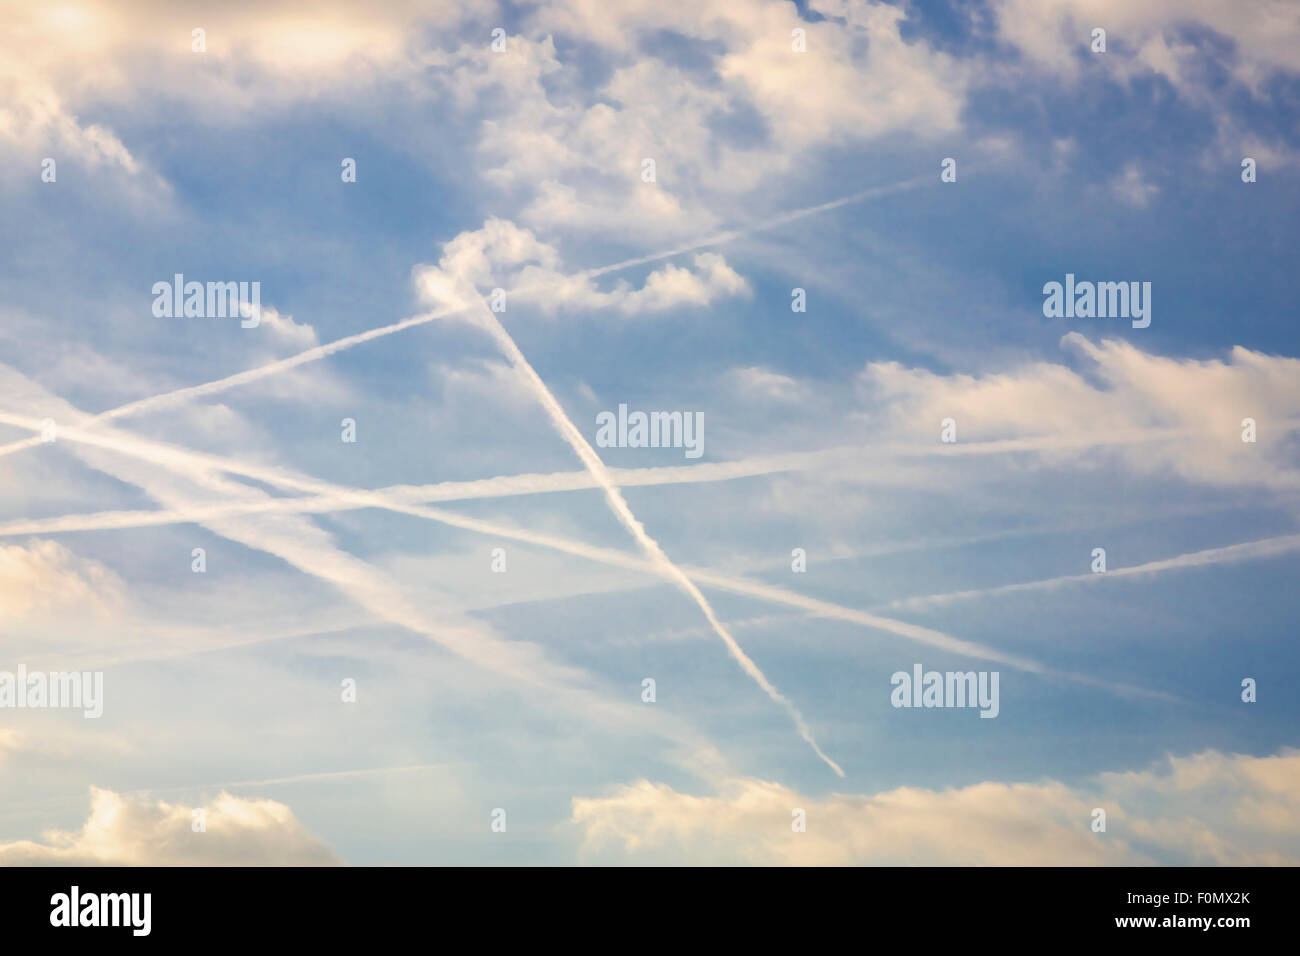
[(502, 486), (560, 418), (405, 499), (554, 482), (309, 550), (618, 504), (275, 781), (182, 395), (781, 219), (181, 458), (1245, 551), (296, 778)]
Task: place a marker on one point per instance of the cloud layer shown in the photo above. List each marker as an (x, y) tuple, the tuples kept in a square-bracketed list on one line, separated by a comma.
[(1206, 809), (131, 831)]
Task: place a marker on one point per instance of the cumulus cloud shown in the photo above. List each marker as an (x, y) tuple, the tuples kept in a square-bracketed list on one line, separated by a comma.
[(62, 61), (44, 577), (504, 255), (34, 115), (725, 106), (673, 286), (860, 77), (1206, 809), (129, 831), (1122, 389), (1053, 32), (1190, 44), (283, 330), (95, 50)]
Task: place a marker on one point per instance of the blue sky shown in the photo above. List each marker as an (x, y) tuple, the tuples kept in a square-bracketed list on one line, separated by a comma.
[(520, 169)]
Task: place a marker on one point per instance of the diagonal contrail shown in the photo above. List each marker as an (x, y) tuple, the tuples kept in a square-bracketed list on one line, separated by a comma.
[(184, 459), (1228, 554), (308, 549), (504, 486), (182, 395), (618, 504)]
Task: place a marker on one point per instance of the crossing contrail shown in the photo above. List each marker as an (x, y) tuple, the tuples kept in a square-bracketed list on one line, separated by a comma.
[(498, 487), (352, 497), (305, 547), (535, 483), (181, 395), (618, 504), (346, 497)]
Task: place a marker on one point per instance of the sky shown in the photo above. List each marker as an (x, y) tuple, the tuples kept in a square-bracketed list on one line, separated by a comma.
[(363, 579)]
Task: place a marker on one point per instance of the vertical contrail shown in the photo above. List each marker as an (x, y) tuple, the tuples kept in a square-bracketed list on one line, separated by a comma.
[(619, 506)]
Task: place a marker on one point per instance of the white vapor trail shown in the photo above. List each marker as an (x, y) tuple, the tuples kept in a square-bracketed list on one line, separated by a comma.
[(305, 547), (1245, 551), (182, 395), (547, 483), (618, 504), (174, 457), (502, 486)]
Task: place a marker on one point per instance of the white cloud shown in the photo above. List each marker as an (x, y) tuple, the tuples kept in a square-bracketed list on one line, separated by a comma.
[(1132, 188), (1052, 31), (34, 119), (130, 831), (761, 383), (284, 330), (69, 58), (1166, 38), (43, 578), (1207, 809), (673, 286), (858, 79), (504, 255), (719, 123), (1125, 390)]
